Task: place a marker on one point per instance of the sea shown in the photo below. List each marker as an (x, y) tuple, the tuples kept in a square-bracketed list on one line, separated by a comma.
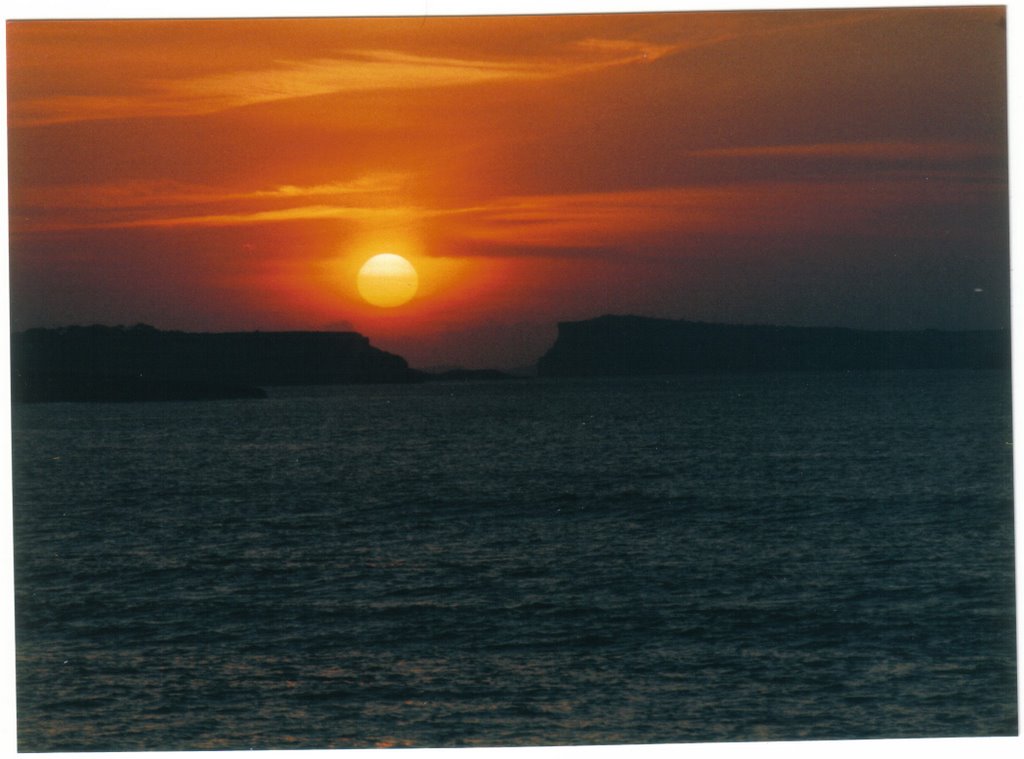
[(536, 562)]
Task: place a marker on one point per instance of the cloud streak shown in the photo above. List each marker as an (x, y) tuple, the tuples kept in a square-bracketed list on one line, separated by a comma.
[(355, 71), (799, 189), (887, 151), (159, 203)]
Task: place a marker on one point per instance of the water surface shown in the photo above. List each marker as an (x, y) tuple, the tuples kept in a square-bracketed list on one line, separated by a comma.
[(770, 557)]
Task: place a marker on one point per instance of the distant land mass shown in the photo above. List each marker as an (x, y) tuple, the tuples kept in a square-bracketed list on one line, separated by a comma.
[(634, 345), (144, 363), (100, 363)]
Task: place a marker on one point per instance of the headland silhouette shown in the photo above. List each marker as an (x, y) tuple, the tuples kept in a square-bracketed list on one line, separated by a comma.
[(100, 363), (144, 363), (634, 345)]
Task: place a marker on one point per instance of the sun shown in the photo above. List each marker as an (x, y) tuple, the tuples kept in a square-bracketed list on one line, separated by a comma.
[(387, 280)]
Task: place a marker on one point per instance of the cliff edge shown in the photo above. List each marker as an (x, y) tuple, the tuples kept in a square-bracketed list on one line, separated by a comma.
[(633, 345), (144, 363)]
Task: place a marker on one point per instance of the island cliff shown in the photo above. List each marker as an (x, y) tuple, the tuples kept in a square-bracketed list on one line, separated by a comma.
[(143, 363), (632, 345)]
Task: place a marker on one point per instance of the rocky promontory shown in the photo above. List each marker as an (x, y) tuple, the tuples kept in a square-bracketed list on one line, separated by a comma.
[(633, 345), (144, 363)]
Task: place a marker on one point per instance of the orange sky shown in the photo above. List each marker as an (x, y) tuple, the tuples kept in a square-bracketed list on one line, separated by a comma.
[(818, 168)]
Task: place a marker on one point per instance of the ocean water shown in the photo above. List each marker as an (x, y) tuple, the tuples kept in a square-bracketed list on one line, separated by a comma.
[(721, 558)]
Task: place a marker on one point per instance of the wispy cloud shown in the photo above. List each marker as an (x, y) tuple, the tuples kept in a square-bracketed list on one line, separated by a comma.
[(156, 193), (365, 215), (584, 218), (671, 218), (349, 72), (297, 213), (160, 203), (360, 71), (890, 151), (928, 163), (513, 225), (369, 184)]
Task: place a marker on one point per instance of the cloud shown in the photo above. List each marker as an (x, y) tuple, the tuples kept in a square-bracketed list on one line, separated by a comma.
[(966, 166), (584, 218), (644, 222), (888, 151), (354, 71), (795, 189), (159, 203), (368, 184), (382, 216), (113, 195)]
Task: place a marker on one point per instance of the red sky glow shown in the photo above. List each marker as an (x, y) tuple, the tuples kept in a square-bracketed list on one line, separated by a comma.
[(833, 168)]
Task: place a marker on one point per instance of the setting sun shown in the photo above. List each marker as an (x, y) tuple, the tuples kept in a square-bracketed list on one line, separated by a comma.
[(387, 280)]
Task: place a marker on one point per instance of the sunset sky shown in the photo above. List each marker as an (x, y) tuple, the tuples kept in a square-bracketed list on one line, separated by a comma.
[(833, 168)]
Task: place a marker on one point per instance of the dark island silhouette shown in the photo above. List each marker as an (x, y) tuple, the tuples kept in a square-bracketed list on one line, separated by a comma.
[(634, 345), (143, 363)]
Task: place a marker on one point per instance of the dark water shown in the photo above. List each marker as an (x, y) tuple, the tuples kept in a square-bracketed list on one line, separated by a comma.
[(658, 560)]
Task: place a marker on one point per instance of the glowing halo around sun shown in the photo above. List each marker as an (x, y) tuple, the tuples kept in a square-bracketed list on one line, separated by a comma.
[(387, 280)]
